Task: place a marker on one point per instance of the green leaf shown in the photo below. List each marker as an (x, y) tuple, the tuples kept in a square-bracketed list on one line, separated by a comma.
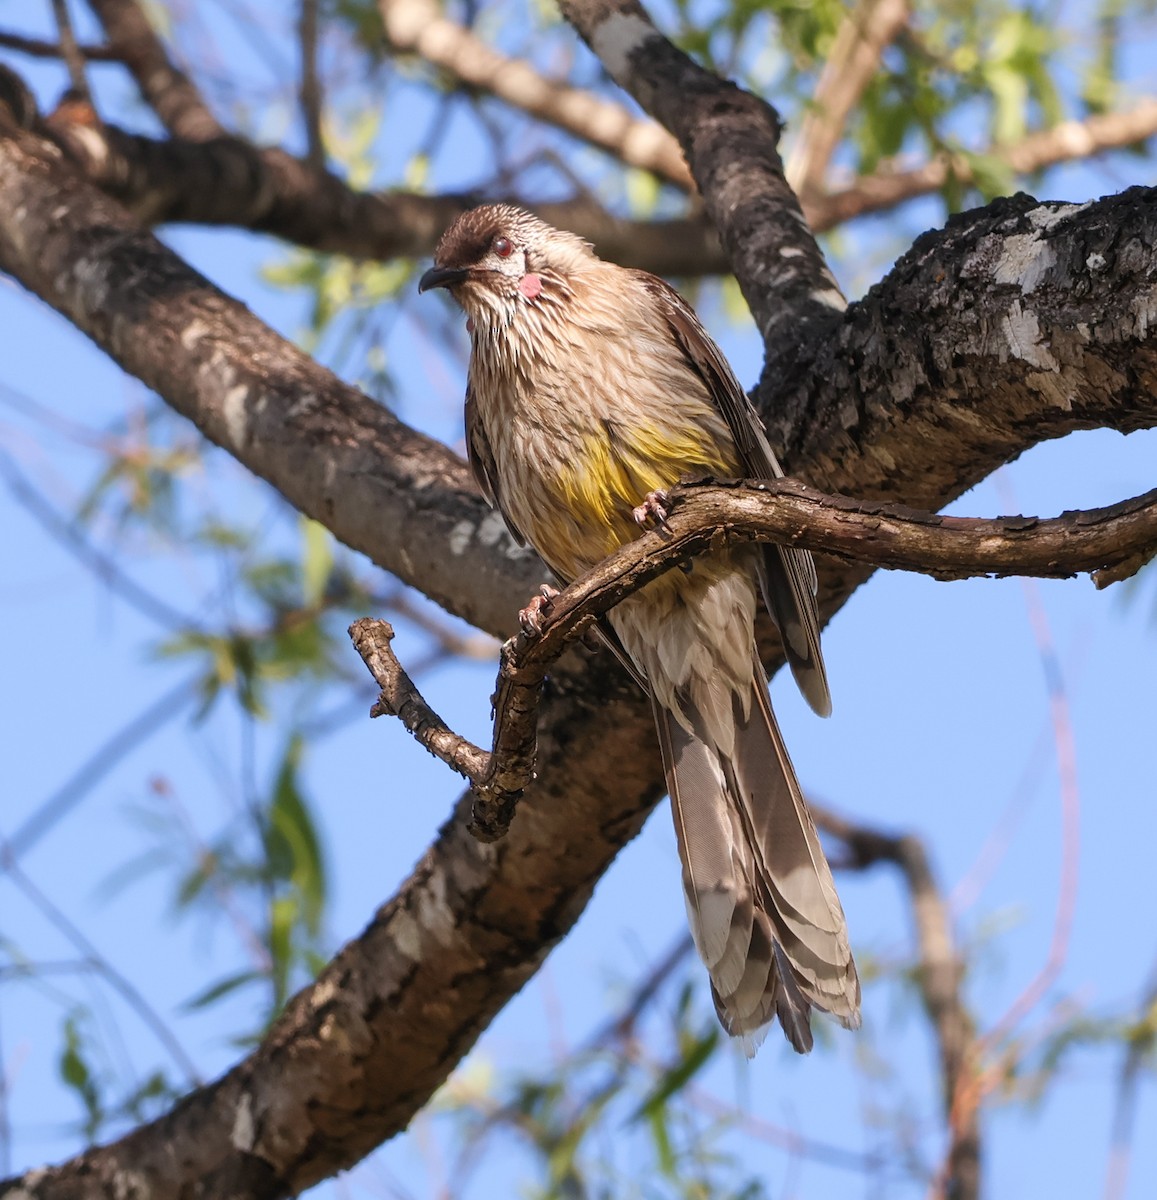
[(676, 1077), (153, 1095), (294, 847), (643, 192), (282, 918), (316, 561), (78, 1076), (657, 1119)]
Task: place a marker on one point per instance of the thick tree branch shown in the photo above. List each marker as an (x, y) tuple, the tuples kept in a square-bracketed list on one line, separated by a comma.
[(1018, 323), (417, 26), (231, 182), (251, 391), (1018, 297), (729, 138), (170, 93)]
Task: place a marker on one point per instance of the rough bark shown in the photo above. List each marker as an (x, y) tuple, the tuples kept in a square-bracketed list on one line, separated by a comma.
[(730, 138), (1018, 323)]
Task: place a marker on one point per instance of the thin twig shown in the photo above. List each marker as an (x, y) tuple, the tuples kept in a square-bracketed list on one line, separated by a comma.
[(969, 887), (971, 1092), (498, 777), (972, 1087), (70, 51), (1065, 743), (97, 766), (127, 991), (310, 89), (811, 1149), (70, 536), (1064, 740), (400, 698), (38, 48), (621, 1027)]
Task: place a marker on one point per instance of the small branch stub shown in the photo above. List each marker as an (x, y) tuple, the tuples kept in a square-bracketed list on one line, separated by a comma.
[(497, 778)]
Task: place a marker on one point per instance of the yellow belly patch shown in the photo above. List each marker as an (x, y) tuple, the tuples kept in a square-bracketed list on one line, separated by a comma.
[(613, 472)]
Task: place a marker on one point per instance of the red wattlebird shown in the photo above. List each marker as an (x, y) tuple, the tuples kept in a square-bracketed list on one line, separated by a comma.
[(591, 388)]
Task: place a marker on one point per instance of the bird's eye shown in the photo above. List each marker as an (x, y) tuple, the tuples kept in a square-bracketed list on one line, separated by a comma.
[(502, 247)]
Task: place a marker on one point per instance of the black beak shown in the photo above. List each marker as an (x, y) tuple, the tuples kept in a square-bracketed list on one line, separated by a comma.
[(440, 277)]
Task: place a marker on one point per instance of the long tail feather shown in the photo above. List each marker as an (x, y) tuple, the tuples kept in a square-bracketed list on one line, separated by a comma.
[(760, 897), (787, 578)]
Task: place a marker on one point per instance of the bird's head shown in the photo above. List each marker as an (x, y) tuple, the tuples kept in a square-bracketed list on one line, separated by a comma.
[(498, 257)]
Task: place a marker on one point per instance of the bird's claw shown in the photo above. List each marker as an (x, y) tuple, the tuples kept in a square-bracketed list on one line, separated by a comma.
[(653, 510), (530, 617)]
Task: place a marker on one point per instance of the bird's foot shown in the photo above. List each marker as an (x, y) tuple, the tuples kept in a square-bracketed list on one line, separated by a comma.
[(530, 618), (653, 510)]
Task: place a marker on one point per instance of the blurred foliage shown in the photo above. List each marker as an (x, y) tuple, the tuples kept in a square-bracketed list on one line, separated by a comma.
[(613, 1117)]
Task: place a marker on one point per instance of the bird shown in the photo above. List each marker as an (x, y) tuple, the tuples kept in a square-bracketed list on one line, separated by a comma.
[(591, 389)]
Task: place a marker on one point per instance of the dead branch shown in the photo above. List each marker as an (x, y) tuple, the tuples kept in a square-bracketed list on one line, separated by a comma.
[(400, 698), (703, 518)]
